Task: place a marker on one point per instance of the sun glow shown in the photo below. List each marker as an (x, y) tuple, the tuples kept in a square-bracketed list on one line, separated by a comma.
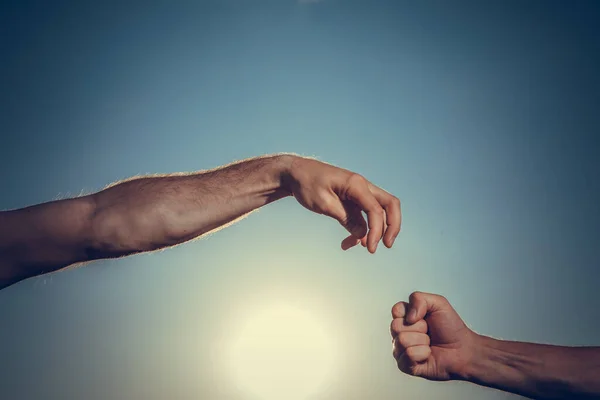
[(281, 353)]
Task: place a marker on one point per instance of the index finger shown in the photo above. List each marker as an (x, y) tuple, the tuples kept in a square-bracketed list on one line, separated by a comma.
[(393, 213), (358, 192), (399, 309)]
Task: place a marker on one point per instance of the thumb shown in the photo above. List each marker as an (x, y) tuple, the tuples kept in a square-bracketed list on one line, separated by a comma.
[(421, 304)]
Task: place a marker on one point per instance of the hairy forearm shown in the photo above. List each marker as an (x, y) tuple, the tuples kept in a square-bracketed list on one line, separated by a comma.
[(137, 215), (150, 213), (536, 370)]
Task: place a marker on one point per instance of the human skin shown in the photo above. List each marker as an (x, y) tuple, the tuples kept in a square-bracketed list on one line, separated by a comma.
[(143, 214), (431, 341)]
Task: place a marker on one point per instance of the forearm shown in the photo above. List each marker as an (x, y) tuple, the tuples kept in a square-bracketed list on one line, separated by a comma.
[(536, 370), (137, 215), (151, 213)]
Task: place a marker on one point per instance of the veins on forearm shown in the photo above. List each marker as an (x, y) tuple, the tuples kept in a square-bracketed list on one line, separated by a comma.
[(535, 370), (153, 212)]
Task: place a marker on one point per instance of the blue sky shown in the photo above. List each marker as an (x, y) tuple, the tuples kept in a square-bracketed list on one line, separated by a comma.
[(482, 118)]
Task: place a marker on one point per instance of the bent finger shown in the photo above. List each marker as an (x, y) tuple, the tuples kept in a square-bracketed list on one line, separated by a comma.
[(362, 196), (400, 325), (393, 213)]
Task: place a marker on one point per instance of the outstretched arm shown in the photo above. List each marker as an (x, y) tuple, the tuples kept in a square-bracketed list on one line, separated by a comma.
[(149, 213), (431, 341), (536, 370)]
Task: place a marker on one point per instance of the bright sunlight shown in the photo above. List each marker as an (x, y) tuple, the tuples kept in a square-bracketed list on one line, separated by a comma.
[(282, 353)]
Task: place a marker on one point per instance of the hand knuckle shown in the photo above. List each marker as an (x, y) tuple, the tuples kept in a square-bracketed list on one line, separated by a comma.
[(416, 295), (325, 203), (442, 298), (356, 179)]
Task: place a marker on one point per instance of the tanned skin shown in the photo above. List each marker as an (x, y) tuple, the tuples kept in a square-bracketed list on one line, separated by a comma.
[(431, 341), (150, 213)]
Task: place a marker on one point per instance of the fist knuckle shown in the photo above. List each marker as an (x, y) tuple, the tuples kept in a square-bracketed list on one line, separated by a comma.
[(396, 201), (442, 299), (416, 295)]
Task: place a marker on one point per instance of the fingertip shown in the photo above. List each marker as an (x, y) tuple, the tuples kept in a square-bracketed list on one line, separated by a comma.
[(375, 245), (399, 310), (388, 242), (372, 248), (349, 242)]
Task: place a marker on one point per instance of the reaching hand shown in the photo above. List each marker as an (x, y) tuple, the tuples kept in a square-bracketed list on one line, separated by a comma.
[(344, 195), (430, 339)]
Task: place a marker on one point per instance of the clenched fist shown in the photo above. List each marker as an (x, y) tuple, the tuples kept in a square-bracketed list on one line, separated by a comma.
[(430, 340)]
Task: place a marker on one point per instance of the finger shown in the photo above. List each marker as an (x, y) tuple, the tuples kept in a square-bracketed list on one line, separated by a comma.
[(413, 356), (349, 242), (421, 304), (406, 340), (418, 354), (348, 215), (359, 193), (410, 339), (399, 309), (393, 213), (400, 325), (354, 221)]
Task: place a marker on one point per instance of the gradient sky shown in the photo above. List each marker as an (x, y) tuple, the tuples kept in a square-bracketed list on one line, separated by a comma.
[(483, 118)]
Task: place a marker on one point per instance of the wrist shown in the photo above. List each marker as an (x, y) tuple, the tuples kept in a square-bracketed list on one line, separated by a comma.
[(286, 163), (477, 361)]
